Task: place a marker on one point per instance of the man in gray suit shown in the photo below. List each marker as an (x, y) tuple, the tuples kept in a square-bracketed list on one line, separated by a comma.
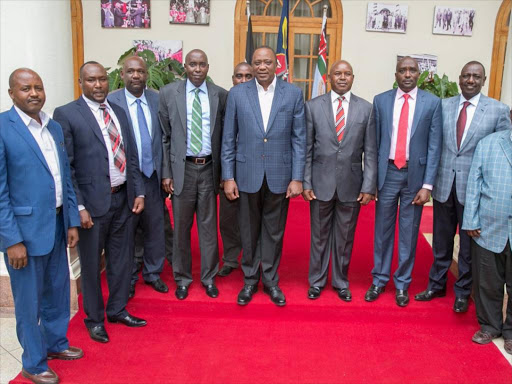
[(338, 133), (141, 108), (263, 157), (466, 120), (192, 115)]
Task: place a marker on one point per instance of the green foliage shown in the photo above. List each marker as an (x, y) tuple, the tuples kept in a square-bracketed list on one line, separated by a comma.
[(442, 87)]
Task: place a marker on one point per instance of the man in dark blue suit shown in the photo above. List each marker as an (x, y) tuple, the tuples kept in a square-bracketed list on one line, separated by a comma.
[(141, 107), (36, 193), (263, 158), (408, 123), (109, 189)]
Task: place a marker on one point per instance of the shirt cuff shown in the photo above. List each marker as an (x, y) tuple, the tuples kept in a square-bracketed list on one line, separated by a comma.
[(428, 186), (141, 196), (81, 207)]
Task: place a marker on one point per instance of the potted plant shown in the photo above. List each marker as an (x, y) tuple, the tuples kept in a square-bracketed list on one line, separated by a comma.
[(442, 87)]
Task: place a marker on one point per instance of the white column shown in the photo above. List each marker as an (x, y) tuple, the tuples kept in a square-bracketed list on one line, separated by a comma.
[(37, 34)]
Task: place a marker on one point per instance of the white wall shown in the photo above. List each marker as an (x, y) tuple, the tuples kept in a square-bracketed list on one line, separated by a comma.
[(372, 54)]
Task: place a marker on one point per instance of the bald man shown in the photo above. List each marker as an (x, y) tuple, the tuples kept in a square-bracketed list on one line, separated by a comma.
[(39, 217), (228, 210), (338, 134)]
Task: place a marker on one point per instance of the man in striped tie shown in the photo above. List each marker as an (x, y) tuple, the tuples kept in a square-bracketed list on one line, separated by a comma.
[(192, 116)]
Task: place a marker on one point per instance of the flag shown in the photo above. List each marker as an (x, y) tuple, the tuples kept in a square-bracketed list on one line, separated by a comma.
[(282, 44), (249, 45), (321, 67)]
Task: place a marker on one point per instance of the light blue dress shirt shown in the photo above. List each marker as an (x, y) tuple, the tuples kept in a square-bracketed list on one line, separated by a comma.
[(205, 109), (132, 107)]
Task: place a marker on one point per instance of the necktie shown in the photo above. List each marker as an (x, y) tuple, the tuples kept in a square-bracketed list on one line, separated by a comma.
[(461, 122), (401, 141), (116, 141), (196, 136), (340, 119), (145, 142)]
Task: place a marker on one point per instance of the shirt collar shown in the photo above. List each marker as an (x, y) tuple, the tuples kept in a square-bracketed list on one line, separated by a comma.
[(45, 119), (191, 87), (131, 99), (94, 105), (334, 96), (270, 88), (413, 93), (474, 100)]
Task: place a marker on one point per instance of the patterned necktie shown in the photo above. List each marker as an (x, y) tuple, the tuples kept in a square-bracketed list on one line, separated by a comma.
[(461, 122), (401, 141), (116, 141), (145, 142), (196, 131), (340, 119)]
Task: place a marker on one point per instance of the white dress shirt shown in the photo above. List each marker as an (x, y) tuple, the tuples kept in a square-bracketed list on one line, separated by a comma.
[(206, 148), (48, 147), (345, 104), (470, 112), (131, 100), (397, 110), (266, 98)]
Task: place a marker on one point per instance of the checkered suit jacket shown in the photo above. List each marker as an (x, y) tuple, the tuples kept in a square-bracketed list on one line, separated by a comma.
[(490, 116), (489, 194)]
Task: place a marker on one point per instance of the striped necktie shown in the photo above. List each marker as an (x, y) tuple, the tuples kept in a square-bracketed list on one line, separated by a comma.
[(196, 131), (116, 141), (340, 119)]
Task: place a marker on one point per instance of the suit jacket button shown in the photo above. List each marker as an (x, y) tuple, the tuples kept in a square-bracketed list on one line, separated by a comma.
[(265, 140)]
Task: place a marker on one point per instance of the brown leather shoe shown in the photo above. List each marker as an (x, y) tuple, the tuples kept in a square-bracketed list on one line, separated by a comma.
[(72, 353), (508, 346), (47, 377), (482, 337)]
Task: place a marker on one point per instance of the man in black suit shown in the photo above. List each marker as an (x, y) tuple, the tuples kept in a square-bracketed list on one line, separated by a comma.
[(109, 190), (141, 106), (192, 115)]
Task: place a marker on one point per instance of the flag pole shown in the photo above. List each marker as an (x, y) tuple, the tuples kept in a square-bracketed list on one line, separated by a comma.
[(249, 44)]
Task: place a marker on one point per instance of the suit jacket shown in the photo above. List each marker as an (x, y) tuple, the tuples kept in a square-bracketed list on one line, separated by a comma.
[(490, 116), (173, 117), (425, 142), (27, 188), (88, 156), (279, 153), (489, 194), (118, 97), (326, 157)]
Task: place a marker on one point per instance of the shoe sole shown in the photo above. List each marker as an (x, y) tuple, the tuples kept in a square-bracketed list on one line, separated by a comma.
[(99, 341), (113, 321), (313, 297), (49, 357)]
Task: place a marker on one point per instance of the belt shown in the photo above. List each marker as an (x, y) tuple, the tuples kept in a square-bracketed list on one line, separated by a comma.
[(117, 188), (199, 160), (58, 210), (391, 161)]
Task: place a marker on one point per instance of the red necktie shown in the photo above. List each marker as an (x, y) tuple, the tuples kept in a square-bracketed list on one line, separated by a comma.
[(401, 141), (116, 141), (340, 119), (461, 123)]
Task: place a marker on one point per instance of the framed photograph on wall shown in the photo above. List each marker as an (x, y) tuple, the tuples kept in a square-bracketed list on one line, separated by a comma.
[(425, 62), (453, 21), (383, 17), (162, 49), (189, 12), (125, 14)]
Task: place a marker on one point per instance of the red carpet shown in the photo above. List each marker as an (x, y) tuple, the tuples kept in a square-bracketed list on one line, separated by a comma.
[(203, 340)]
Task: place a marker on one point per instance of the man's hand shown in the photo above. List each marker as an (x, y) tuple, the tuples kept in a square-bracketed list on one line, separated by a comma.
[(85, 219), (421, 197), (308, 195), (474, 232), (365, 198), (231, 189), (72, 237), (168, 186), (294, 189), (17, 255), (138, 205)]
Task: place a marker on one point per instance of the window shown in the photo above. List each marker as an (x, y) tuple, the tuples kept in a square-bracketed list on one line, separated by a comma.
[(304, 33)]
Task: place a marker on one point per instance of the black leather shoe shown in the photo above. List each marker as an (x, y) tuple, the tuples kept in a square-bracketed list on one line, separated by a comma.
[(225, 270), (132, 292), (373, 293), (314, 293), (276, 295), (461, 304), (181, 292), (211, 290), (98, 334), (402, 297), (158, 285), (428, 295), (344, 294), (128, 320), (245, 295)]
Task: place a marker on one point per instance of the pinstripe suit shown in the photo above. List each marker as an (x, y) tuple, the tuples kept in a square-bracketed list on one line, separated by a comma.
[(450, 188), (489, 208)]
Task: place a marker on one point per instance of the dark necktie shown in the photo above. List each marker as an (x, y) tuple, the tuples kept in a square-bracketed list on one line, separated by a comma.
[(145, 142), (461, 122), (340, 119), (116, 141)]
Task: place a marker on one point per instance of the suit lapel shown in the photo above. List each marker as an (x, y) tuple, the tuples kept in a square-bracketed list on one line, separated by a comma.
[(24, 132), (390, 110), (353, 109), (506, 144), (276, 103), (418, 110), (475, 122), (329, 115), (89, 118), (58, 144), (181, 102), (153, 107), (214, 103), (254, 101), (452, 121)]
